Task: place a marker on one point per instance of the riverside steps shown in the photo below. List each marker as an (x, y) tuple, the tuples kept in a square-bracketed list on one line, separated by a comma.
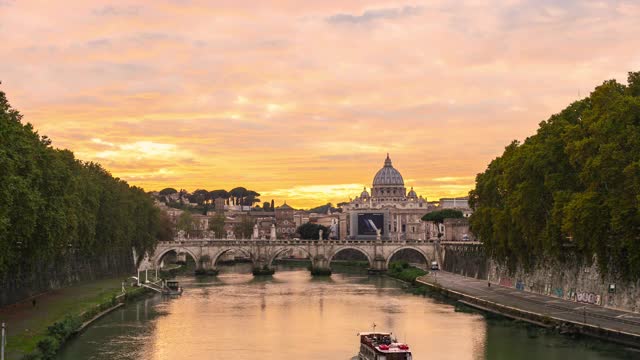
[(566, 316)]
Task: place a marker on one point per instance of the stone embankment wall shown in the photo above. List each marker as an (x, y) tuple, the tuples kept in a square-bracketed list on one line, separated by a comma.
[(73, 268), (570, 280), (464, 259)]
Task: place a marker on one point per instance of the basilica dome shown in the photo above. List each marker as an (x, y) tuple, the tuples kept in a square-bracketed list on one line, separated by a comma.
[(388, 176)]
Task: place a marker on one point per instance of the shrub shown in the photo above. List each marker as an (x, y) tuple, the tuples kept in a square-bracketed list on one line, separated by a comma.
[(61, 330), (48, 347)]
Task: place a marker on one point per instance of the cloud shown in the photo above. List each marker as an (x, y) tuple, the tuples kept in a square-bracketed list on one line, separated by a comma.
[(300, 196), (110, 10), (96, 43), (375, 14), (141, 150), (284, 96)]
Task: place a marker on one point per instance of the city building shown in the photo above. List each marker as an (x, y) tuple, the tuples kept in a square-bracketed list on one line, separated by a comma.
[(388, 210), (285, 223)]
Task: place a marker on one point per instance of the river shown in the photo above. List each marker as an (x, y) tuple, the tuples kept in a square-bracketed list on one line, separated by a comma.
[(294, 316)]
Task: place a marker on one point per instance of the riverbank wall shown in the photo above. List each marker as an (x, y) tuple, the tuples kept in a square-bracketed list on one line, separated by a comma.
[(551, 322), (570, 280), (66, 271)]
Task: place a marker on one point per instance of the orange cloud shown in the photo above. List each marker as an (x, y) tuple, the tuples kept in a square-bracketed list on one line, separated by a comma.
[(296, 99)]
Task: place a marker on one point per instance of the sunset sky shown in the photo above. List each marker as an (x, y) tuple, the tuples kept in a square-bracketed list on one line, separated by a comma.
[(301, 101)]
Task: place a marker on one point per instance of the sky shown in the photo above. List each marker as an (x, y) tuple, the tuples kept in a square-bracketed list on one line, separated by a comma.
[(302, 100)]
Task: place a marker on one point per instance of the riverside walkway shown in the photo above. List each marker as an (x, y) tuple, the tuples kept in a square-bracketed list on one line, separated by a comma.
[(610, 324)]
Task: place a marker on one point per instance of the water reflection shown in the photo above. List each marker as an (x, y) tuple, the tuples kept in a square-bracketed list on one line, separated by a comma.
[(295, 316)]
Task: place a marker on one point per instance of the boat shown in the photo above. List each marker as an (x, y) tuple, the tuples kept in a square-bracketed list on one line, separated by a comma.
[(382, 346), (171, 287)]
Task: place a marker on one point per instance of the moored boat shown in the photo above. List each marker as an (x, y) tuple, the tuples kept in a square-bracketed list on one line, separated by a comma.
[(171, 287), (382, 346)]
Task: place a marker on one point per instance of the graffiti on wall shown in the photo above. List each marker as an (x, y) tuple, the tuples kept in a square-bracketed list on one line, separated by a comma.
[(559, 292), (589, 298), (506, 281)]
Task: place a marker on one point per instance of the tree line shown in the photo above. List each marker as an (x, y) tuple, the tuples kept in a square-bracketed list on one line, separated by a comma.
[(54, 206), (236, 196), (572, 188)]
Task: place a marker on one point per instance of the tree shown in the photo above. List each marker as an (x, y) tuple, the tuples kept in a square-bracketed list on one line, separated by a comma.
[(237, 195), (273, 206), (56, 209), (250, 198), (218, 194), (244, 229), (168, 191), (185, 222), (439, 215), (311, 231), (199, 197), (571, 190), (165, 229), (266, 206), (216, 224)]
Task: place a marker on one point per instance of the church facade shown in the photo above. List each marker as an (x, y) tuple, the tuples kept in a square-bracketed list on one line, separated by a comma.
[(388, 211)]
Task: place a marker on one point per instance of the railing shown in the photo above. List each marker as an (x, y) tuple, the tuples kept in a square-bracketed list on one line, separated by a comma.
[(249, 242)]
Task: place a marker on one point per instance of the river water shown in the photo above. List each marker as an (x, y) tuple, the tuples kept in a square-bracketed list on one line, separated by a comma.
[(294, 316)]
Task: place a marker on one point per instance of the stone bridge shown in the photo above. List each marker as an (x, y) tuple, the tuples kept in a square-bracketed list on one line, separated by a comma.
[(206, 252)]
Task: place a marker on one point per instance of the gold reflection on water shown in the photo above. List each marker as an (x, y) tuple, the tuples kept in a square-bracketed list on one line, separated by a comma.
[(295, 317)]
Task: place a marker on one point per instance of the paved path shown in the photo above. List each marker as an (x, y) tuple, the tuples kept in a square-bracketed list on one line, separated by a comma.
[(27, 322), (566, 310)]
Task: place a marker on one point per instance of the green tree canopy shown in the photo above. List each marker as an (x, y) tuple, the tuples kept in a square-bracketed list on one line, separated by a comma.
[(439, 215), (574, 186), (55, 208), (216, 224), (185, 222), (244, 229)]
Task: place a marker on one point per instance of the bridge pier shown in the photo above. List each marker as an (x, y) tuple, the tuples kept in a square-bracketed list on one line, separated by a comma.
[(262, 267), (379, 265), (320, 266), (205, 266)]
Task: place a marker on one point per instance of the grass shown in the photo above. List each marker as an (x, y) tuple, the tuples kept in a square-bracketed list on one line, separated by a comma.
[(27, 324), (403, 271)]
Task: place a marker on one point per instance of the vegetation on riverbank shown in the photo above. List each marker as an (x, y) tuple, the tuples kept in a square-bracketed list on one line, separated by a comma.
[(403, 271), (573, 185), (49, 317)]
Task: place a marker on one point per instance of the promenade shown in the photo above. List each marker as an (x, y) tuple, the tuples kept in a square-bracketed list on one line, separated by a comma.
[(570, 316), (27, 320)]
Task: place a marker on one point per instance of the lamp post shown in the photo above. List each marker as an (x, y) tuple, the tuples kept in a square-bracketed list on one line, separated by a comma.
[(3, 342)]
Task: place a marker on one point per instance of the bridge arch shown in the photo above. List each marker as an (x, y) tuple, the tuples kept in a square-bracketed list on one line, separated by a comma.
[(246, 252), (418, 250), (178, 250), (286, 248), (342, 248)]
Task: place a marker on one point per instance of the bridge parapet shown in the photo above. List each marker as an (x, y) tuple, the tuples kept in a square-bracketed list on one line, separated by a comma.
[(206, 252), (249, 242)]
